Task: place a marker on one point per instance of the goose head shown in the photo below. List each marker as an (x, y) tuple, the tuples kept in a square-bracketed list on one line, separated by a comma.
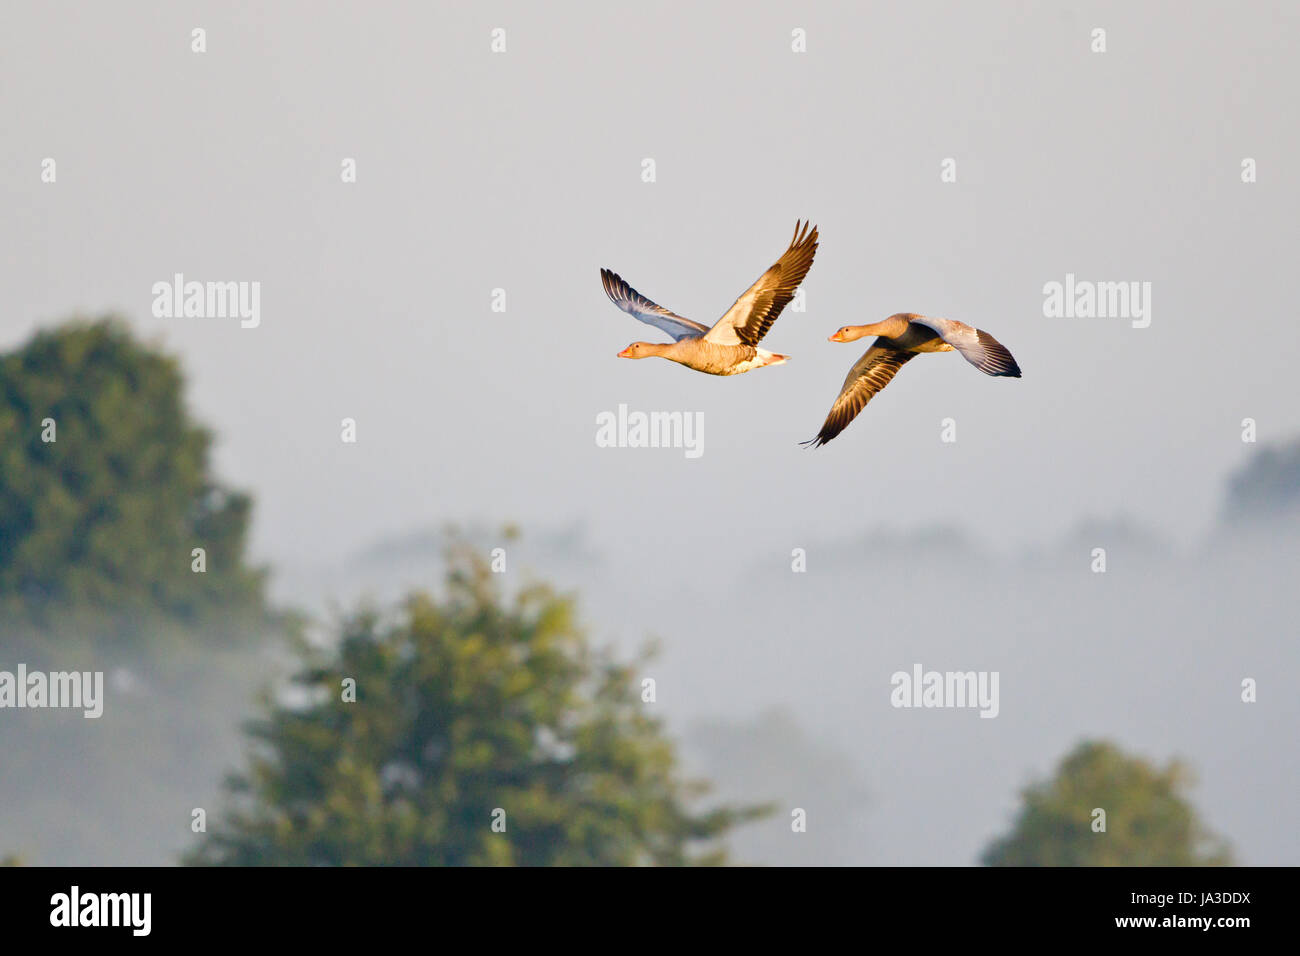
[(850, 333), (639, 350)]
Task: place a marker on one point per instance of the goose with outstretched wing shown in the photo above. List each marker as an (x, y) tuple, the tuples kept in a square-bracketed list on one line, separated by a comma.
[(730, 347), (902, 337)]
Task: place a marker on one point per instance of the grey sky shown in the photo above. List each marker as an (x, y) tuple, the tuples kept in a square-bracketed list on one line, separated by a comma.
[(522, 171)]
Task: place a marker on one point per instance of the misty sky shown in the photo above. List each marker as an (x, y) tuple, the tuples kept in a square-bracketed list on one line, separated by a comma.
[(522, 171)]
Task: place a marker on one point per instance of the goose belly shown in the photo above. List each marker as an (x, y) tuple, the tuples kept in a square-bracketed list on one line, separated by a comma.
[(726, 359), (758, 361)]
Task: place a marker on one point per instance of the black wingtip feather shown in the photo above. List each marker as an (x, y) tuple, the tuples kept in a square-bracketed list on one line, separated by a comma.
[(998, 359)]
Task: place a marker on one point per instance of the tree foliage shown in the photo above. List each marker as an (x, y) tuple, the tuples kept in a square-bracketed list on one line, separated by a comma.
[(465, 707), (1267, 487), (103, 519), (1148, 820)]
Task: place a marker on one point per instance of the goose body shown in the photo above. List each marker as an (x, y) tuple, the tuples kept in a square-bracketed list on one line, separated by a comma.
[(902, 337), (730, 347)]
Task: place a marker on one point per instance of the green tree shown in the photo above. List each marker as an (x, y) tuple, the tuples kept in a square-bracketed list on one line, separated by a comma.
[(1148, 820), (105, 491), (96, 532), (465, 707)]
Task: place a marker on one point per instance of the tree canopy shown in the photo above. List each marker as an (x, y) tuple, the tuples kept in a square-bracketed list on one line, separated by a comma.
[(1148, 821), (1267, 487), (105, 487), (484, 730)]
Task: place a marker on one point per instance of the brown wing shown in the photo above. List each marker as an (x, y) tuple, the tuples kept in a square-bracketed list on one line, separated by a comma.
[(750, 316), (873, 371)]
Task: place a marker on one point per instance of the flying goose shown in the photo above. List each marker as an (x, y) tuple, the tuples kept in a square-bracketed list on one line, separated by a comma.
[(902, 337), (731, 346)]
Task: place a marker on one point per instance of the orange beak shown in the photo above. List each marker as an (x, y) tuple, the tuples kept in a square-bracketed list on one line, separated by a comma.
[(835, 337), (623, 354)]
